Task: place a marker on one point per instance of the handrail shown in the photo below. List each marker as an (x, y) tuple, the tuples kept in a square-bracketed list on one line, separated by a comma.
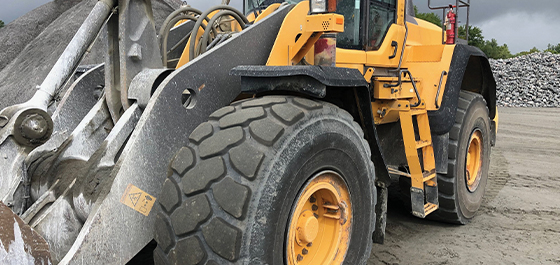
[(458, 4), (444, 73)]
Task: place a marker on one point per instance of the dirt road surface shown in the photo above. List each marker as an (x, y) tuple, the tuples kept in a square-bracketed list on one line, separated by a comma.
[(519, 220)]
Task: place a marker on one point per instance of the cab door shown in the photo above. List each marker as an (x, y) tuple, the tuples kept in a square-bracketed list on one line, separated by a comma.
[(385, 33), (373, 34)]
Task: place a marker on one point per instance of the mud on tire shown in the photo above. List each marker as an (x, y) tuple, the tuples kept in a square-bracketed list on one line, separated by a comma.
[(458, 204), (231, 190)]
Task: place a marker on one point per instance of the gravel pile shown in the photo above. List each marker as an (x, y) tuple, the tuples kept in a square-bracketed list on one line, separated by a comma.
[(528, 81)]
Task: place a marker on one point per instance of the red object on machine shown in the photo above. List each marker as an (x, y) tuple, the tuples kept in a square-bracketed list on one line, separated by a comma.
[(451, 20)]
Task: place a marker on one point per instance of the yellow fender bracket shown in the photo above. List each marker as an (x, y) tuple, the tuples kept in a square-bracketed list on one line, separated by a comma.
[(496, 120)]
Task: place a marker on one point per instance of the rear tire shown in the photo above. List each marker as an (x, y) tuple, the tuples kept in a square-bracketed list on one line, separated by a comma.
[(460, 190), (231, 192)]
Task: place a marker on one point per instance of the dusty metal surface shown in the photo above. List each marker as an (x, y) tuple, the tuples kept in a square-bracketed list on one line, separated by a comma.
[(74, 52), (133, 47), (163, 128), (75, 191), (144, 83), (19, 244), (71, 110)]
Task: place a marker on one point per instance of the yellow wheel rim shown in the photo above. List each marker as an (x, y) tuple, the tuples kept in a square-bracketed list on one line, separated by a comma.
[(474, 161), (321, 222)]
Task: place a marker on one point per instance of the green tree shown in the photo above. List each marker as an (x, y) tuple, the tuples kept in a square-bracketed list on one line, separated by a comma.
[(533, 50), (1, 24), (553, 48), (430, 17), (495, 51), (475, 35)]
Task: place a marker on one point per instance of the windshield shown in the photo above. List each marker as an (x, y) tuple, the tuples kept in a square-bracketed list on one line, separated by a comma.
[(258, 5)]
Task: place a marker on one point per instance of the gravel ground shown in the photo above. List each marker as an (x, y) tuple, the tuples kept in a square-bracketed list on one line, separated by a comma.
[(519, 221)]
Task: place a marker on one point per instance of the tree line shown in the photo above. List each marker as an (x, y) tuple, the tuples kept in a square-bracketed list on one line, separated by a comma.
[(491, 48)]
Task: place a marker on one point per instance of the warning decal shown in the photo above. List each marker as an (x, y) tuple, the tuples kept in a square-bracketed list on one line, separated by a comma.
[(138, 200)]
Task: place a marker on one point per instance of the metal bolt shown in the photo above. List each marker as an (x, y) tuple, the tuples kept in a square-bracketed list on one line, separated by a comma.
[(34, 126), (304, 251), (314, 207), (399, 105), (309, 244), (299, 257), (312, 199)]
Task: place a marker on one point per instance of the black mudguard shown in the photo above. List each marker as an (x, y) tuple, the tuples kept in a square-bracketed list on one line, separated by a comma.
[(344, 87), (469, 70)]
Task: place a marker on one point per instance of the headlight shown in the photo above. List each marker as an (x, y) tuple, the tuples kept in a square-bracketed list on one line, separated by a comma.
[(322, 6)]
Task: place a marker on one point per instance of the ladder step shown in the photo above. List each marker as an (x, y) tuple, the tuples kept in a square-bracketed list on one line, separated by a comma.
[(415, 112), (397, 172), (429, 175), (430, 208), (422, 144), (419, 208)]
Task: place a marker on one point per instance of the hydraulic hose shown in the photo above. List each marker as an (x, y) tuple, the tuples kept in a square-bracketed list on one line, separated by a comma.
[(180, 14), (204, 16), (206, 35), (166, 35)]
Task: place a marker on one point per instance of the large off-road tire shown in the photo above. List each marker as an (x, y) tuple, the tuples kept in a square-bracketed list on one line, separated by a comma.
[(461, 190), (232, 193)]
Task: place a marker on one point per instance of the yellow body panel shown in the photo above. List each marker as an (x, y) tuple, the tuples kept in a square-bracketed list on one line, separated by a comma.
[(496, 120), (425, 33), (263, 14), (434, 59), (380, 58), (299, 32)]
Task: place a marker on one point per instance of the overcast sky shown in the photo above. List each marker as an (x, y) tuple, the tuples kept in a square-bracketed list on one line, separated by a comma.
[(522, 24)]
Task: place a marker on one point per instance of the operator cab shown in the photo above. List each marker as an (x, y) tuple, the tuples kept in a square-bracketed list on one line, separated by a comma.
[(376, 15)]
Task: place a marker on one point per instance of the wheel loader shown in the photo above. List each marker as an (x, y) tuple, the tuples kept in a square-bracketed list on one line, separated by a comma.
[(263, 136)]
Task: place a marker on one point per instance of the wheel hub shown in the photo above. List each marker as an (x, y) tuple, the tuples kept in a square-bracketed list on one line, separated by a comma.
[(474, 161), (321, 222), (308, 228)]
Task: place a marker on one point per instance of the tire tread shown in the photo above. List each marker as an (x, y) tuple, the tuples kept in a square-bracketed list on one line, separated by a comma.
[(219, 231)]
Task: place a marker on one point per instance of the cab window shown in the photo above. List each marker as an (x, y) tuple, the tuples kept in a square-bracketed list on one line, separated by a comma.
[(382, 14), (350, 38)]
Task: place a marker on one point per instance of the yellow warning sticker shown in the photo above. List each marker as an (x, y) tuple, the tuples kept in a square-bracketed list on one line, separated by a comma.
[(138, 199)]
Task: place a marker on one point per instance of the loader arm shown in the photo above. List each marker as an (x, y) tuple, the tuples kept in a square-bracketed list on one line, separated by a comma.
[(81, 172)]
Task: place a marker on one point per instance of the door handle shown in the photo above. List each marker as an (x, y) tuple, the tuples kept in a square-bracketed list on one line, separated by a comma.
[(396, 46)]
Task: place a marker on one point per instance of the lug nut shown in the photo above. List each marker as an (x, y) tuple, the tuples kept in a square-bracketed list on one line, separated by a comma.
[(299, 257), (314, 207), (304, 251), (309, 244), (316, 215), (312, 199)]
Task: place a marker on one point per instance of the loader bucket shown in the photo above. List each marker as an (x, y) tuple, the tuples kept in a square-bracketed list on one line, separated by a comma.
[(19, 243)]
